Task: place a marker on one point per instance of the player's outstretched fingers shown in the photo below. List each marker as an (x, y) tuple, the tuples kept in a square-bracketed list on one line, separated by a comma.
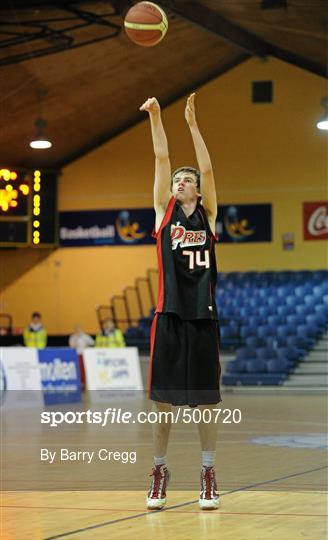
[(151, 106)]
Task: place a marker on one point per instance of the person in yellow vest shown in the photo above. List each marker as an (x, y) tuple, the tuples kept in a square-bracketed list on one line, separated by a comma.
[(35, 335), (110, 336)]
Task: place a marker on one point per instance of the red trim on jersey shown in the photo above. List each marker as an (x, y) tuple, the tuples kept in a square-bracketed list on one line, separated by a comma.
[(152, 342), (202, 209), (165, 221)]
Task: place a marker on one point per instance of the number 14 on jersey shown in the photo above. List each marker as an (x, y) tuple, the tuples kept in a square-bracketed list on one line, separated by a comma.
[(195, 258)]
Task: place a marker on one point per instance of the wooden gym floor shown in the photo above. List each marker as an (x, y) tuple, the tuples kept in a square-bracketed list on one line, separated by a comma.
[(267, 492)]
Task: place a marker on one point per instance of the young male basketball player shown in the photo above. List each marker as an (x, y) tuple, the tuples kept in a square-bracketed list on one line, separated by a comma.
[(184, 363)]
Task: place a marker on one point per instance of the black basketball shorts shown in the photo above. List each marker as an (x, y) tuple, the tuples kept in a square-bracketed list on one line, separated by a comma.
[(184, 361)]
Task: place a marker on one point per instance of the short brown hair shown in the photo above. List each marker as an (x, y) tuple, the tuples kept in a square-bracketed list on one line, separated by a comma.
[(191, 170)]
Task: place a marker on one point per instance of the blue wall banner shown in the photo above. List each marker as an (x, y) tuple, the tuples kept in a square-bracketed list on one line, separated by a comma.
[(236, 223), (240, 223), (106, 227), (60, 375)]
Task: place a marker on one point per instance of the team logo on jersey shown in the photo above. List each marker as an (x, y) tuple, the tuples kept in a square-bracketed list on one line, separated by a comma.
[(180, 236)]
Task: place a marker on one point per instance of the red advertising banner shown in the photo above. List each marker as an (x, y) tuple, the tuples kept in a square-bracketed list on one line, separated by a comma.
[(315, 220)]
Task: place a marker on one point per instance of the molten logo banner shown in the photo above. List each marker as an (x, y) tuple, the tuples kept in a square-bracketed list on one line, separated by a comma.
[(315, 220)]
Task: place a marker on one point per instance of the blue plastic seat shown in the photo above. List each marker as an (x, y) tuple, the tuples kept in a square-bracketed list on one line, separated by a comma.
[(285, 310), (256, 321), (145, 322), (308, 330), (277, 365), (304, 310), (235, 366), (268, 292), (286, 330), (295, 319), (317, 320), (319, 291), (247, 330), (265, 311), (293, 300), (256, 302), (255, 366), (266, 330), (321, 309), (245, 353), (319, 275), (290, 353), (298, 341), (310, 300), (266, 353), (133, 333), (254, 379), (227, 312), (254, 342), (276, 320), (303, 290), (274, 342), (245, 312), (285, 290), (145, 331), (228, 332)]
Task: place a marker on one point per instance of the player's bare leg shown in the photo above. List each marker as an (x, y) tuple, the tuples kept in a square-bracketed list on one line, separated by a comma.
[(156, 497), (209, 497)]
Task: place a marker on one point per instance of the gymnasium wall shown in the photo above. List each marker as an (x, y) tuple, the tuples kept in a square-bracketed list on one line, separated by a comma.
[(261, 153)]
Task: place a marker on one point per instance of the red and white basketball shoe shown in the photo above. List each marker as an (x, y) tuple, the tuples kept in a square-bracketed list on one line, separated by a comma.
[(209, 496), (156, 497)]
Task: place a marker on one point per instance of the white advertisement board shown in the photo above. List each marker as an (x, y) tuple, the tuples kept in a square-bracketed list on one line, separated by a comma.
[(20, 370), (112, 369)]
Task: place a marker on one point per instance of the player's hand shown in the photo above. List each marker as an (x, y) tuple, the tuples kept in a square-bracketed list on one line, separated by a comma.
[(190, 114), (151, 106)]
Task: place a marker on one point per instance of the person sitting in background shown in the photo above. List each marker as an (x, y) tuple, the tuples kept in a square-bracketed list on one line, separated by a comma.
[(35, 335), (79, 341), (110, 336)]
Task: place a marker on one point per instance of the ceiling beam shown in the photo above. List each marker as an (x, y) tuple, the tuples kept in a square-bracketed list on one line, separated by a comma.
[(299, 61), (211, 21)]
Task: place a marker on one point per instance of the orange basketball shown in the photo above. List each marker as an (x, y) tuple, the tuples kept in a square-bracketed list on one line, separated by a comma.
[(146, 24)]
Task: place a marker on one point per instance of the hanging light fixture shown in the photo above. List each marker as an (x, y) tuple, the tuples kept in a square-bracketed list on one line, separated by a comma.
[(323, 122), (40, 142)]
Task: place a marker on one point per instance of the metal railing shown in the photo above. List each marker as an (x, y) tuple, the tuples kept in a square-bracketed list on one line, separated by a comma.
[(135, 302)]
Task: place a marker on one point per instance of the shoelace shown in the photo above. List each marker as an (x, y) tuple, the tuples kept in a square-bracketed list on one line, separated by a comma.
[(156, 473), (209, 478)]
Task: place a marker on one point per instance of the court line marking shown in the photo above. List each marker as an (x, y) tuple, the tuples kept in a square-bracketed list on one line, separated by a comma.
[(148, 513), (172, 512)]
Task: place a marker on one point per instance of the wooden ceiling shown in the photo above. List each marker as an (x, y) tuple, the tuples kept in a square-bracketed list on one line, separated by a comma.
[(91, 92)]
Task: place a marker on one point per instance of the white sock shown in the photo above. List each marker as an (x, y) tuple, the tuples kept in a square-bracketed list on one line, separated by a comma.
[(160, 460), (208, 458)]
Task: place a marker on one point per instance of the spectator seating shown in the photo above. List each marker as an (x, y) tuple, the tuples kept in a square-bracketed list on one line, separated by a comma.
[(281, 315), (277, 315)]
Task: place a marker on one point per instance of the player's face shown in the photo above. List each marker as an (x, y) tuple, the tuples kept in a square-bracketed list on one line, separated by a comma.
[(184, 187)]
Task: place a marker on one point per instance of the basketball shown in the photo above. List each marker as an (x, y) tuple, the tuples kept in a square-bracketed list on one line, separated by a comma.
[(146, 24)]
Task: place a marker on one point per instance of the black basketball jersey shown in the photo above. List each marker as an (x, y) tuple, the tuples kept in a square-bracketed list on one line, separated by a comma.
[(186, 264)]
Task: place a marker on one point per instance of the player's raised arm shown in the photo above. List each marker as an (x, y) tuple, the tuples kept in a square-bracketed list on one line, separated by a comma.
[(207, 183), (162, 183)]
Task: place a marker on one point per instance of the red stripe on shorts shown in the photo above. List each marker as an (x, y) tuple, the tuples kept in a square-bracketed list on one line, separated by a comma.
[(152, 342)]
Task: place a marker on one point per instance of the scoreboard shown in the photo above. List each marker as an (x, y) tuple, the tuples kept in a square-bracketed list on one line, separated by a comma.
[(28, 207)]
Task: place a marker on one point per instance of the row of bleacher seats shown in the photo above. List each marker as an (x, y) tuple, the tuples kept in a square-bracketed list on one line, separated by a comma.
[(272, 277), (285, 312), (272, 320)]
